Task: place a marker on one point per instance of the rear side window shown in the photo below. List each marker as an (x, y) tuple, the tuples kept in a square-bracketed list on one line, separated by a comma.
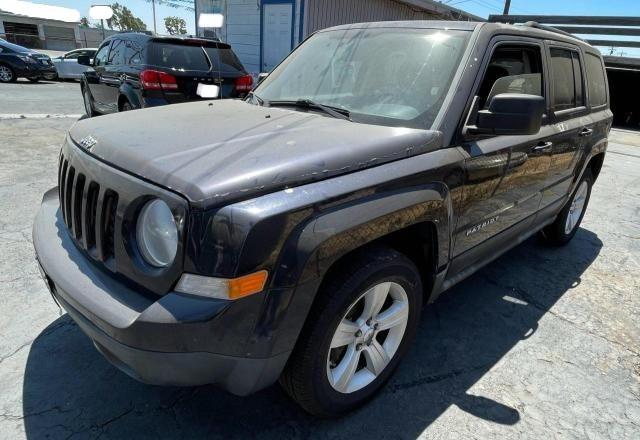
[(133, 53), (178, 56), (116, 56), (596, 80), (224, 59), (566, 78)]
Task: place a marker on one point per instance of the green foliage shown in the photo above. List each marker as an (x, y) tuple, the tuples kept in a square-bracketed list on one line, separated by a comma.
[(124, 20), (175, 25)]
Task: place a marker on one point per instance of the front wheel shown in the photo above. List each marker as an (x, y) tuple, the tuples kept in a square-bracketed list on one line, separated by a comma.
[(361, 325), (7, 74), (88, 102), (562, 230)]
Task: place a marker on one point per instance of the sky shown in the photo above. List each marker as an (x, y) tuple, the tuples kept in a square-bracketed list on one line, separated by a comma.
[(482, 8)]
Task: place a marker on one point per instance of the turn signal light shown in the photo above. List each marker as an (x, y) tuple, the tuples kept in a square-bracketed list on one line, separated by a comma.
[(223, 288)]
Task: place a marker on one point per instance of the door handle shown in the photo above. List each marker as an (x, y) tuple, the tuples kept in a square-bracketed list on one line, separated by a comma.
[(542, 147), (123, 77), (586, 132)]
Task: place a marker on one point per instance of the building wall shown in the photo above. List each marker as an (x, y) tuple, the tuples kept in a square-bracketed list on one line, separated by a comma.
[(62, 35), (320, 14)]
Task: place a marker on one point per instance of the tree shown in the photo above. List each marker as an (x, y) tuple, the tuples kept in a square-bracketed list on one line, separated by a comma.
[(84, 22), (124, 20), (175, 25)]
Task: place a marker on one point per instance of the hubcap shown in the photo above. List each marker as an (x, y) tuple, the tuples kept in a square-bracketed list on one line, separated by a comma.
[(576, 208), (368, 336), (5, 74)]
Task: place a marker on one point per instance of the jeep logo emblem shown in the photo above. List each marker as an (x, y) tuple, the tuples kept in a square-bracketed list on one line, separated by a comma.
[(88, 142)]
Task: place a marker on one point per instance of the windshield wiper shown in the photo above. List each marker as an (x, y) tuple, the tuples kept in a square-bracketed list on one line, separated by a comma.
[(336, 112), (253, 95)]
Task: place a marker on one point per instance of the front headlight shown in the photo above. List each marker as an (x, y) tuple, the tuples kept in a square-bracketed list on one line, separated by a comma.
[(157, 234)]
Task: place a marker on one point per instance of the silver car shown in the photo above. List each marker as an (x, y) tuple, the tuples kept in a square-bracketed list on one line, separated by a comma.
[(67, 65)]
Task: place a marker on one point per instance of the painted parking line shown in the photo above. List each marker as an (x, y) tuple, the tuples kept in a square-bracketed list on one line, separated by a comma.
[(38, 116)]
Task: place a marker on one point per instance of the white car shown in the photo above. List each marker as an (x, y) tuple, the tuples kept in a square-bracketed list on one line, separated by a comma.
[(67, 64)]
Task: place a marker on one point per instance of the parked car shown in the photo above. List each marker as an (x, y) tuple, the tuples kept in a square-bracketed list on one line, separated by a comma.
[(20, 62), (296, 234), (133, 70), (67, 65)]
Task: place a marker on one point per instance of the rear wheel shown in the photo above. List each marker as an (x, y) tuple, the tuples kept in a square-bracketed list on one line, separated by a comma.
[(562, 230), (126, 106), (365, 318), (7, 74)]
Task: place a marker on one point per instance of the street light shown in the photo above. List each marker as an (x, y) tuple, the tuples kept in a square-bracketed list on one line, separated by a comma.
[(101, 12)]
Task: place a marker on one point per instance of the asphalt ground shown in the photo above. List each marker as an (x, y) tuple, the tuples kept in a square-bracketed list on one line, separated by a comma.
[(542, 343)]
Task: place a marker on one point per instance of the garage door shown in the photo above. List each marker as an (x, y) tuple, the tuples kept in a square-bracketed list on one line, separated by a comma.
[(59, 38)]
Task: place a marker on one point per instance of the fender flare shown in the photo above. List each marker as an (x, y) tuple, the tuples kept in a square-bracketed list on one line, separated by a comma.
[(313, 248), (128, 92)]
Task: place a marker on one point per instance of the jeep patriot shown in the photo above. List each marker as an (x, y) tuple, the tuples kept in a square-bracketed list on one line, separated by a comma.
[(295, 235)]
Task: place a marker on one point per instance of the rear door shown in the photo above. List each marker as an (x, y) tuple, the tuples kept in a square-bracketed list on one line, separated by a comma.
[(569, 114), (193, 63)]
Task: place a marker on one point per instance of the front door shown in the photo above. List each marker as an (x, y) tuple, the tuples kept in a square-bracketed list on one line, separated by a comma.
[(505, 174), (277, 33)]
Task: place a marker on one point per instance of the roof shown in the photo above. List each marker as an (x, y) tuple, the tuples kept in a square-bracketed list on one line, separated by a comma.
[(413, 24), (39, 11)]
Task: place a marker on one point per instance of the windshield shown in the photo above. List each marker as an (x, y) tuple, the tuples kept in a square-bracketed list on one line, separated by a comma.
[(395, 77), (14, 47)]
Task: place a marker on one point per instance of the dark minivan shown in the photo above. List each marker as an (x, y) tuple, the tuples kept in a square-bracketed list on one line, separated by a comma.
[(134, 70)]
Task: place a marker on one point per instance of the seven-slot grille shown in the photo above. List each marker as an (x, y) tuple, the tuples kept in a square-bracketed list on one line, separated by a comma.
[(88, 210)]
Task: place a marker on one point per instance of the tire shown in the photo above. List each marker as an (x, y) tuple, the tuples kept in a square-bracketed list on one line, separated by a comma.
[(562, 230), (7, 75), (311, 376), (34, 80), (88, 102), (126, 106)]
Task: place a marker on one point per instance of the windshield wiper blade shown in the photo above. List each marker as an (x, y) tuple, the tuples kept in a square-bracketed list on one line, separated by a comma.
[(259, 99), (336, 112)]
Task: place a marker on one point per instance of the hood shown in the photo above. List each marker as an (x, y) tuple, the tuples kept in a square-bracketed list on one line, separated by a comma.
[(215, 151)]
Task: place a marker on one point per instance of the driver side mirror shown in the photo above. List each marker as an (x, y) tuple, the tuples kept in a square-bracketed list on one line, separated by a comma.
[(510, 114), (85, 60)]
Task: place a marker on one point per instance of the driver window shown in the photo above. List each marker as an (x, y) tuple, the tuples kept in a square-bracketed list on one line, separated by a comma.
[(101, 56), (512, 69)]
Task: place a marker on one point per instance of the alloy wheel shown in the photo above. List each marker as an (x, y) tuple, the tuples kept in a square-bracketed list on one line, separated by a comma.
[(6, 74), (577, 206), (367, 337)]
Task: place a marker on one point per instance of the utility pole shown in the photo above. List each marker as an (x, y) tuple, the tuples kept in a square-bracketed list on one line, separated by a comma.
[(153, 3), (507, 5)]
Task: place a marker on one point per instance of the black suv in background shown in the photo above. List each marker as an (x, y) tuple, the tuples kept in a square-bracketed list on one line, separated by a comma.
[(17, 61), (133, 70)]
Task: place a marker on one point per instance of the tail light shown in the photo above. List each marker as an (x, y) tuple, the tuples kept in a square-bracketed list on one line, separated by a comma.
[(244, 83), (155, 80)]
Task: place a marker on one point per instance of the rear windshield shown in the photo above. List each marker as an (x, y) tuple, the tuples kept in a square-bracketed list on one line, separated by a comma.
[(194, 57)]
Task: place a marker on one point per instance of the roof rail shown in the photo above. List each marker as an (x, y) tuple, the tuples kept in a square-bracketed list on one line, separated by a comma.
[(535, 24)]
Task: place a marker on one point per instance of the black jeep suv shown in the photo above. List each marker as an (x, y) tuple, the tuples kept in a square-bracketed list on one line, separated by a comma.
[(295, 235), (135, 70), (20, 62)]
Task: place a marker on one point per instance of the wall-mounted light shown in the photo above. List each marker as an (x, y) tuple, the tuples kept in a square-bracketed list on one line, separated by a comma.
[(210, 20)]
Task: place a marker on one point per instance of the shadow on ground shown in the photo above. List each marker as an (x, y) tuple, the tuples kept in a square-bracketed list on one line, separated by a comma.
[(70, 389)]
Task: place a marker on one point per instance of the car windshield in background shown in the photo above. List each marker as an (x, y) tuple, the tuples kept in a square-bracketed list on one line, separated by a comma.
[(11, 46), (394, 77)]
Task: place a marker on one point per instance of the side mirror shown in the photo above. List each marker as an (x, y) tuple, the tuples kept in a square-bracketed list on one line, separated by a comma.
[(261, 77), (85, 60), (511, 114)]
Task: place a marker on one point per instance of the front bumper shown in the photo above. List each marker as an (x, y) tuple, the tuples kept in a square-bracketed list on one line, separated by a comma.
[(164, 340), (37, 70)]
